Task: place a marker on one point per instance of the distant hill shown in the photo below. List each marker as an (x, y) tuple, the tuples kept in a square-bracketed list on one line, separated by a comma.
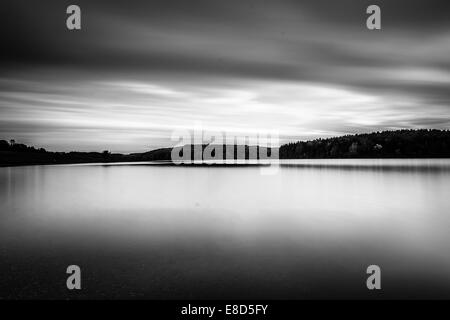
[(387, 144), (197, 152), (14, 154)]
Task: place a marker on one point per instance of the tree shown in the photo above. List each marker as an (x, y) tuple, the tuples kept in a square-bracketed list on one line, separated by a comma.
[(353, 150), (4, 145)]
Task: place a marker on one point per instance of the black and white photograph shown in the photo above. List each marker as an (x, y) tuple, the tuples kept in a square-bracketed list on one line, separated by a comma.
[(212, 150)]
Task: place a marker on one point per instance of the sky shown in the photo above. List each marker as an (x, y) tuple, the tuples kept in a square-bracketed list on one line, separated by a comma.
[(139, 70)]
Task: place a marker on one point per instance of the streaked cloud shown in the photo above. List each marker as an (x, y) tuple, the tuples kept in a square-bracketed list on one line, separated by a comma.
[(138, 71)]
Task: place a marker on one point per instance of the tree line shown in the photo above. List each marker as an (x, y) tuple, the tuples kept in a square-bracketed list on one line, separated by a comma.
[(423, 143)]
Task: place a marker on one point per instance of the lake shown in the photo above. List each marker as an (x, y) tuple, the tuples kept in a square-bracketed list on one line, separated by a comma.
[(152, 231)]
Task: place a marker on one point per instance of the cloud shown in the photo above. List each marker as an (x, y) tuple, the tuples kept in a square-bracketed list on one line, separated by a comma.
[(307, 68)]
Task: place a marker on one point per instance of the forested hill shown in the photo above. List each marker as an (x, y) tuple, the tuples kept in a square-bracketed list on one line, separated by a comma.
[(387, 144)]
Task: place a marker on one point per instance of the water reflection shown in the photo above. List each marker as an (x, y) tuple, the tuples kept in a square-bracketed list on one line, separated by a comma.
[(160, 231)]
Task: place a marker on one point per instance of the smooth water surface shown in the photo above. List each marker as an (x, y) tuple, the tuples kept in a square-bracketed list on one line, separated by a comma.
[(307, 230)]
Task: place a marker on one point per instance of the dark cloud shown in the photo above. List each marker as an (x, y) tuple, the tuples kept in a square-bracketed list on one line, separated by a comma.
[(202, 43)]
